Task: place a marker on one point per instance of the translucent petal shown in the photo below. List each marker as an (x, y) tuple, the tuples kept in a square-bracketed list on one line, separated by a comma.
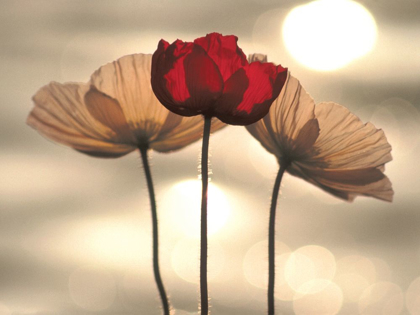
[(348, 157), (127, 80), (188, 131), (345, 142), (327, 145), (61, 115), (107, 110), (291, 112)]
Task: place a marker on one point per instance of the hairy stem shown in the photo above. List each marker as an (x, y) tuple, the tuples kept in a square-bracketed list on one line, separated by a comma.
[(272, 239), (203, 245), (158, 279)]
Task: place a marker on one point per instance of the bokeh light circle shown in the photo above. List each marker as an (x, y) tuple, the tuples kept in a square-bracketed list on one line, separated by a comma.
[(352, 286), (381, 298), (383, 270), (282, 290), (118, 242), (4, 310), (263, 161), (185, 260), (357, 264), (324, 35), (307, 264), (398, 118), (412, 297), (255, 263), (327, 301)]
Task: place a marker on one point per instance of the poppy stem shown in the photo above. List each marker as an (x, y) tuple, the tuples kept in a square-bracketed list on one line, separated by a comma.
[(272, 238), (203, 245), (158, 279)]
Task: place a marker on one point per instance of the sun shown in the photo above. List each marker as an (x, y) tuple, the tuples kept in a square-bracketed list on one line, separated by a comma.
[(184, 201), (326, 35)]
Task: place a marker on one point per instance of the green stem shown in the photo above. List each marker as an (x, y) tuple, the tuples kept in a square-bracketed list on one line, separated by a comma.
[(272, 239), (158, 279), (203, 248)]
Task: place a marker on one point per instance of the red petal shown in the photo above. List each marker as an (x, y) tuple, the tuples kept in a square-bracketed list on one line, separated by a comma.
[(156, 58), (175, 74), (159, 68), (224, 51), (203, 80), (249, 93), (185, 79), (232, 96)]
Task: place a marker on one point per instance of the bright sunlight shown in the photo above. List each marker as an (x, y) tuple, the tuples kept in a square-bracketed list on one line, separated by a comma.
[(184, 199), (326, 35)]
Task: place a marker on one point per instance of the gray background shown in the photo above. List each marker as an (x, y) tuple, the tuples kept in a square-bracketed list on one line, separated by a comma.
[(72, 226)]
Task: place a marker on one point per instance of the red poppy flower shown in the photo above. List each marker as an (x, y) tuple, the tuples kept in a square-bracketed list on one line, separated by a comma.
[(212, 77)]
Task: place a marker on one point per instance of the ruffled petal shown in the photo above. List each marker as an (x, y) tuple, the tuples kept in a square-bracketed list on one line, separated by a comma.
[(160, 66), (233, 93), (60, 114), (224, 51), (345, 142), (348, 157), (305, 140), (203, 80), (127, 80), (249, 93), (265, 83), (114, 114), (260, 132), (289, 114), (108, 111), (154, 124), (188, 131), (347, 184), (171, 122), (173, 74), (290, 129), (185, 79), (326, 145)]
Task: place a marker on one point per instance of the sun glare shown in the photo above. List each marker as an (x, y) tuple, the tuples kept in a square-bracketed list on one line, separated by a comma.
[(185, 260), (184, 200), (326, 35)]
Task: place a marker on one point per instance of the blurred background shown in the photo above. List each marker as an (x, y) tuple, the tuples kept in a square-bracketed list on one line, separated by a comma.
[(75, 231)]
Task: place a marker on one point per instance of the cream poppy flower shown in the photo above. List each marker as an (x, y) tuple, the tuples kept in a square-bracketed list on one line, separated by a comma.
[(325, 144), (114, 114)]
